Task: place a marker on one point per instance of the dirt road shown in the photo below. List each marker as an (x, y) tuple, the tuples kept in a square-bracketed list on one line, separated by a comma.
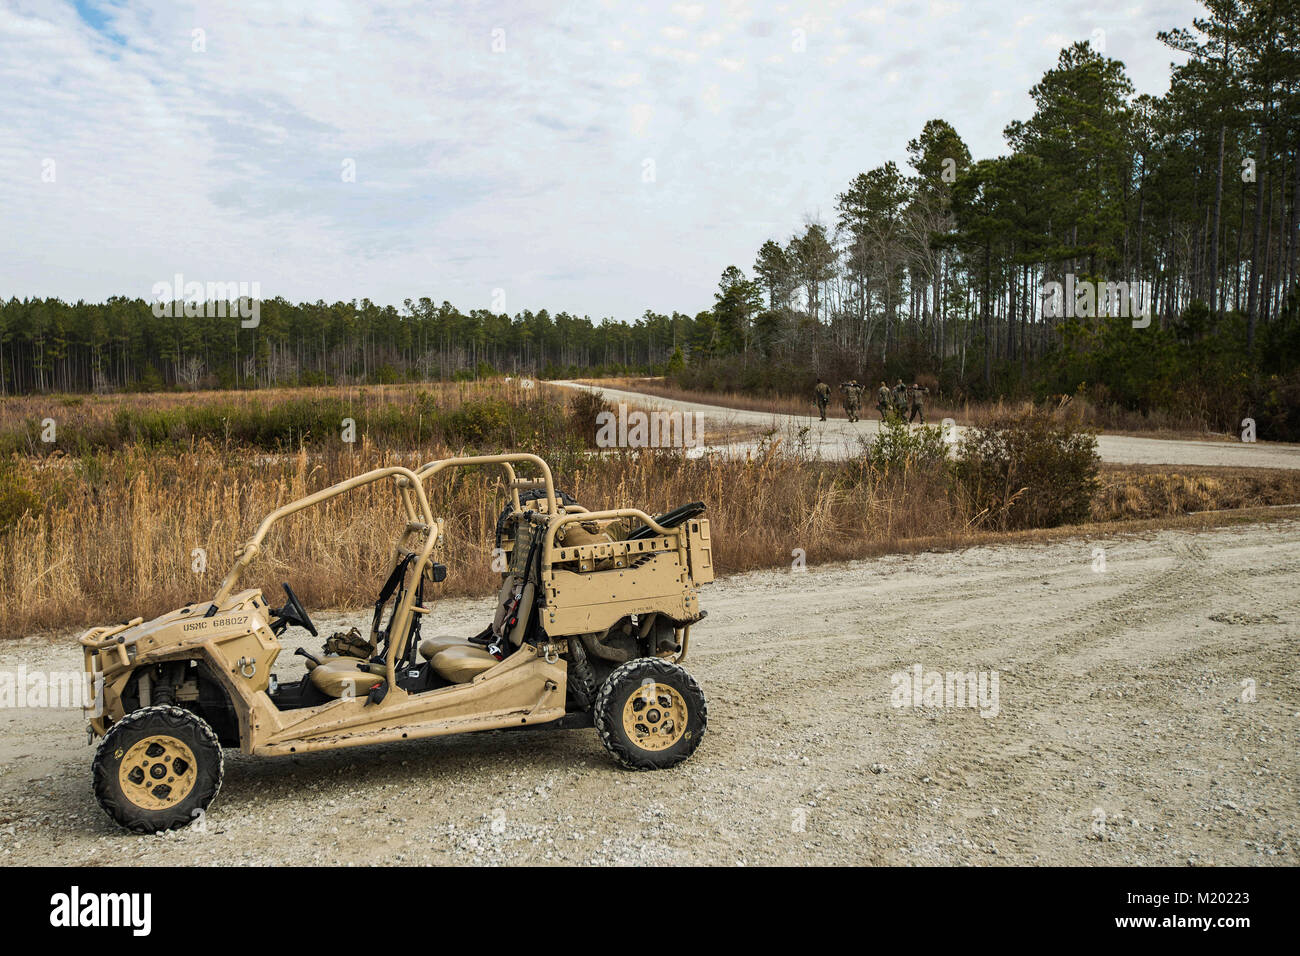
[(1123, 731), (839, 438)]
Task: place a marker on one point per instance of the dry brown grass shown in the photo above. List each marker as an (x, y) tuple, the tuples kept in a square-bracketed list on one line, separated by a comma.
[(113, 534), (1078, 409), (117, 533), (1131, 492), (81, 410)]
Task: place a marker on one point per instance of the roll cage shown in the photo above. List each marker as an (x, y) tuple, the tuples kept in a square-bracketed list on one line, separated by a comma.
[(422, 533)]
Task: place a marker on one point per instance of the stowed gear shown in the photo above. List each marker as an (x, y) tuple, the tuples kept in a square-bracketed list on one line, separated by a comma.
[(563, 497)]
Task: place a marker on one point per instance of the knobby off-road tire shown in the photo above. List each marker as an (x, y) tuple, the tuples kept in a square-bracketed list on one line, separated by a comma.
[(582, 676), (157, 769), (650, 714)]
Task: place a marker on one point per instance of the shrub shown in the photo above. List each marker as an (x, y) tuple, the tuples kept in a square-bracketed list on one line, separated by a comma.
[(1028, 470), (583, 409), (897, 446), (480, 423)]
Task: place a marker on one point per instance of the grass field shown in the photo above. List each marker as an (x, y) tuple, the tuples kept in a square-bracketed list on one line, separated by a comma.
[(396, 417)]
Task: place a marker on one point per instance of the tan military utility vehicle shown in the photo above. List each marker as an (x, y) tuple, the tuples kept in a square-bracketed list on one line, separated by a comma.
[(590, 627)]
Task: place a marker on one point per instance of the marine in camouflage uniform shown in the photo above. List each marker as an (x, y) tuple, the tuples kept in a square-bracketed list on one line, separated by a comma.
[(882, 400), (823, 397), (900, 399), (852, 399), (916, 402)]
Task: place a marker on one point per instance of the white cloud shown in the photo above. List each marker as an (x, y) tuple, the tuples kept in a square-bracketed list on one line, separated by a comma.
[(640, 116)]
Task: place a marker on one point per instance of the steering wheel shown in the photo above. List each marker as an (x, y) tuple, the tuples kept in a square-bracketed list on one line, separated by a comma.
[(294, 612)]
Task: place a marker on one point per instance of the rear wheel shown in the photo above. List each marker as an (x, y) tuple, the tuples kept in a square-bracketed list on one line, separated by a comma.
[(582, 676), (157, 769), (650, 714)]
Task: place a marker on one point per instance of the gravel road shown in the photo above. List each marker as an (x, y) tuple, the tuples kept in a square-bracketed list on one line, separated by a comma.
[(1123, 732), (839, 438)]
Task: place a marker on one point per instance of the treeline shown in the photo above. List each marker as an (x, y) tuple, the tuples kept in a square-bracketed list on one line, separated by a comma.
[(121, 344), (1180, 209)]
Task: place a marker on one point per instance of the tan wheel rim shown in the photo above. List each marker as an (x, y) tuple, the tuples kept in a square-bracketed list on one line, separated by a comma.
[(654, 717), (157, 773)]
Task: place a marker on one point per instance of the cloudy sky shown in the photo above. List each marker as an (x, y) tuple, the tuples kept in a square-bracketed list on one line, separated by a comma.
[(599, 157)]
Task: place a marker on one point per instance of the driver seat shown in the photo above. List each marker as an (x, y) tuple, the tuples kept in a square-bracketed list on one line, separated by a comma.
[(345, 677)]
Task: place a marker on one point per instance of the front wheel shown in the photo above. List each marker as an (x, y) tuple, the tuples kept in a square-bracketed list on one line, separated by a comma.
[(650, 714), (157, 769)]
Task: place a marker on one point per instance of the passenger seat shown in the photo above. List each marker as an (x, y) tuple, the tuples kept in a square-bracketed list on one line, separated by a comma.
[(459, 660)]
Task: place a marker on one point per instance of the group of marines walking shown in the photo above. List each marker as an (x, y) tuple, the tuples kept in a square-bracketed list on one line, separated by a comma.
[(904, 401)]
